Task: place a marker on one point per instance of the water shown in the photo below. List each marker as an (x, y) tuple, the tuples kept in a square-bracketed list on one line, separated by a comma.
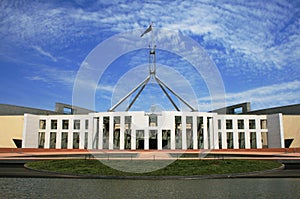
[(100, 188)]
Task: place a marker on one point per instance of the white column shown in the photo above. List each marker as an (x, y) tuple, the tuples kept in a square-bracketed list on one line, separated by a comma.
[(195, 141), (92, 137), (235, 134), (224, 134), (70, 134), (90, 133), (205, 134), (111, 133), (133, 139), (100, 133), (183, 130), (122, 131), (70, 139), (215, 133), (58, 134), (81, 133), (211, 133), (146, 139), (247, 134), (47, 133), (258, 133), (159, 139), (173, 133)]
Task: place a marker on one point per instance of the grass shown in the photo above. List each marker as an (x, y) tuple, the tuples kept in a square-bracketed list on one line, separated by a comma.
[(139, 167)]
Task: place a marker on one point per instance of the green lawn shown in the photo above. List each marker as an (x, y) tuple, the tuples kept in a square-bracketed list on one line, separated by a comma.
[(177, 168)]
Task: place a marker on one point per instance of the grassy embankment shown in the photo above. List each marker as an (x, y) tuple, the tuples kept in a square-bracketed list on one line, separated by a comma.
[(177, 168)]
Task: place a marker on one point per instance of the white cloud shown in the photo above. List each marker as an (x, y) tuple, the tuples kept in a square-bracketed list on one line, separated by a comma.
[(262, 97), (43, 52)]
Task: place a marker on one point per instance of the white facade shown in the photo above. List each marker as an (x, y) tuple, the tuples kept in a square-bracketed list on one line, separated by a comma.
[(139, 130)]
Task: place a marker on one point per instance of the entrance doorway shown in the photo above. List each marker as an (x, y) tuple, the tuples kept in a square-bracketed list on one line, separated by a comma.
[(153, 139)]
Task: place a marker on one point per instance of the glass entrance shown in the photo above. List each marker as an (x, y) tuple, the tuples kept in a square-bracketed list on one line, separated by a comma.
[(153, 139)]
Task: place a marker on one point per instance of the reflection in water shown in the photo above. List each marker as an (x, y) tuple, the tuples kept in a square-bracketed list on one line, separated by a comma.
[(99, 188)]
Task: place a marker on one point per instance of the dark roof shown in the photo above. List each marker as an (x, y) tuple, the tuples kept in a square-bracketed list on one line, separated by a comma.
[(286, 110), (7, 109)]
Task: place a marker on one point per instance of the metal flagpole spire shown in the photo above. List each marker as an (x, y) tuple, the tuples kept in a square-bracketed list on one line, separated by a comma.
[(152, 74)]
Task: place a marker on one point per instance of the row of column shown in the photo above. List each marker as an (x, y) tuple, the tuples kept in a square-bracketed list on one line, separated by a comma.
[(96, 138)]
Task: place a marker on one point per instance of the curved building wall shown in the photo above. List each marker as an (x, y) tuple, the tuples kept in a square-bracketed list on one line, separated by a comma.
[(11, 127)]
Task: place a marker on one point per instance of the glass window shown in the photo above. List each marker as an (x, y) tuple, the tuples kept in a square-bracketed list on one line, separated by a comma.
[(41, 140), (263, 124), (53, 124), (105, 132), (152, 120), (251, 124), (116, 140), (220, 140), (65, 124), (76, 124), (42, 124), (178, 132), (228, 124), (86, 124), (64, 140), (241, 140), (52, 140), (75, 140), (139, 139), (219, 124), (85, 140), (229, 140), (127, 134), (253, 140), (264, 139), (200, 136), (241, 124)]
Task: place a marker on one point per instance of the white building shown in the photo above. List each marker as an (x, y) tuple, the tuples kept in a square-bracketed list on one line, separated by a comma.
[(140, 130)]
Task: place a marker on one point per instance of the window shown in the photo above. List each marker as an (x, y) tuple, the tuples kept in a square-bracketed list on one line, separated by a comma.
[(152, 120), (52, 140), (200, 136), (42, 124), (86, 124), (67, 110), (64, 140), (127, 134), (264, 139), (229, 140), (263, 124), (178, 132), (241, 124), (53, 124), (139, 139), (253, 140), (75, 140), (85, 140), (166, 139), (76, 124), (41, 140), (189, 132), (228, 124), (238, 110), (219, 124), (105, 132), (220, 140), (65, 124), (116, 140), (241, 140), (251, 124)]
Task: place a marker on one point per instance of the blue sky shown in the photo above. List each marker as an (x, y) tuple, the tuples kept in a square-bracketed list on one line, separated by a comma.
[(255, 46)]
